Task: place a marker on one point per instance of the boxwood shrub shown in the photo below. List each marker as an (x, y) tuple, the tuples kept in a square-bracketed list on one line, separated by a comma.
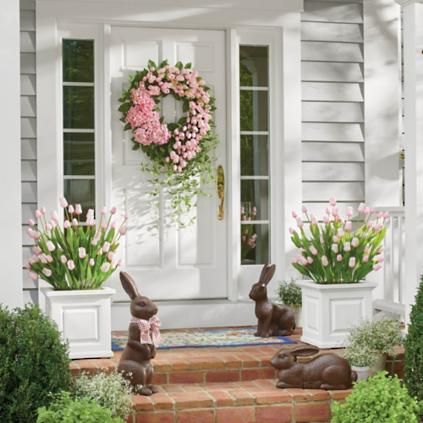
[(33, 363)]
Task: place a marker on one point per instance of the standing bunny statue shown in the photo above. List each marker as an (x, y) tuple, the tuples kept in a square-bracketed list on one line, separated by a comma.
[(143, 338), (273, 319)]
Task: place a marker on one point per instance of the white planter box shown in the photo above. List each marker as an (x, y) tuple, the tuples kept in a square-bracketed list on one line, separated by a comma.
[(331, 311), (84, 319)]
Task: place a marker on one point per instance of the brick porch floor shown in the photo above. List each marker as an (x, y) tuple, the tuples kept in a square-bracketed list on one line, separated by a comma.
[(225, 385)]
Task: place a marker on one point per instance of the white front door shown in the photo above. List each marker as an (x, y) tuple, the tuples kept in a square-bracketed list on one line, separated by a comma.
[(168, 264)]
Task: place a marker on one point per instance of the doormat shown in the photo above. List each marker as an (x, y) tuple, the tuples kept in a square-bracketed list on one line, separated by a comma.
[(203, 338)]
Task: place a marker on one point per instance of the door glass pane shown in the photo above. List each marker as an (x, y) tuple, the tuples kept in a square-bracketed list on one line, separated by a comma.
[(254, 66), (255, 244), (80, 191), (79, 153), (255, 163), (255, 197), (78, 107), (254, 155), (78, 61), (254, 110)]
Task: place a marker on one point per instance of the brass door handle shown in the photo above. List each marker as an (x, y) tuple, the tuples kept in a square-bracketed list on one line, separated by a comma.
[(220, 185)]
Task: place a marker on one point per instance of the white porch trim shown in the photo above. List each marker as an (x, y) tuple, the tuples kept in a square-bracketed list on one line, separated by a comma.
[(11, 292), (413, 126)]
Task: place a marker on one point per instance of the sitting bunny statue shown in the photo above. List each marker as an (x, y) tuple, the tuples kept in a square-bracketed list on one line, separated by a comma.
[(273, 319), (143, 338), (325, 371)]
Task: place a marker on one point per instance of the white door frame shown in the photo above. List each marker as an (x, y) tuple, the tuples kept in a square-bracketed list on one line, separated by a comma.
[(242, 17)]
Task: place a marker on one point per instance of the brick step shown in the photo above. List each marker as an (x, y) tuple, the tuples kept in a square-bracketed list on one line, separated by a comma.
[(232, 402), (199, 365)]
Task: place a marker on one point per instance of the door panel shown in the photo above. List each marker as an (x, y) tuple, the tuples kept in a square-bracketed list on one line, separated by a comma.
[(168, 264)]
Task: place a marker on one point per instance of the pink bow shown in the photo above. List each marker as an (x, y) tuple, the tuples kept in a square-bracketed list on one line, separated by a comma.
[(149, 330)]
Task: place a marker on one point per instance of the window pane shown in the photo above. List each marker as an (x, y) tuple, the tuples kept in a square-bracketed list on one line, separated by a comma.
[(255, 244), (254, 110), (80, 191), (78, 60), (79, 154), (254, 155), (253, 66), (255, 198), (78, 107)]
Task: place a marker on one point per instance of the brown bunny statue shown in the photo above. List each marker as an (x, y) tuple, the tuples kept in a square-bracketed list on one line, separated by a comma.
[(273, 319), (326, 371), (143, 338)]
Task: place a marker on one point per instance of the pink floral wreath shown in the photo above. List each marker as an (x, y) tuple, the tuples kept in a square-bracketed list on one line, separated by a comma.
[(173, 145)]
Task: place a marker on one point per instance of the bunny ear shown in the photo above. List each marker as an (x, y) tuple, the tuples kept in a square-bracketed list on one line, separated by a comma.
[(263, 272), (304, 351), (270, 271), (129, 285)]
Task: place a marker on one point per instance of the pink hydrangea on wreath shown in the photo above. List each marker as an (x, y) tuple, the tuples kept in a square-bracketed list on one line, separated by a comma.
[(174, 145)]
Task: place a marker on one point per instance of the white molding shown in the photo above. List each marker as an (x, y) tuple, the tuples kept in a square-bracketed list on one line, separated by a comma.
[(11, 293), (404, 3), (413, 126)]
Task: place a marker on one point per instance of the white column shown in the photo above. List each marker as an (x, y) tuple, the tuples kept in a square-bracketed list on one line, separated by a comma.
[(10, 169), (413, 127)]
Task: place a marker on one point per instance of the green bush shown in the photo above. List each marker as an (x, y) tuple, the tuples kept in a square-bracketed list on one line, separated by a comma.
[(33, 363), (379, 399), (290, 293), (111, 391), (414, 348), (65, 409)]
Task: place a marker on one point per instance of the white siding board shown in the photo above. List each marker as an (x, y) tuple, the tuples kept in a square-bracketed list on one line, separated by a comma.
[(28, 106), (28, 149), (333, 152), (29, 170), (330, 71), (29, 192), (333, 172), (30, 296), (28, 85), (27, 42), (329, 11), (342, 191), (27, 63), (28, 127), (26, 254), (27, 20), (332, 91), (27, 4), (28, 212), (331, 51), (332, 112), (327, 31), (318, 208), (332, 132)]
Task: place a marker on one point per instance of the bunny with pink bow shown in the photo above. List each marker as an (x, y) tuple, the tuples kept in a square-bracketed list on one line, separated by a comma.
[(143, 339)]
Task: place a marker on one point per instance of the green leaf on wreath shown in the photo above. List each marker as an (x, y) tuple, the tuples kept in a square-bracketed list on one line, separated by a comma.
[(188, 66), (163, 63), (124, 107), (152, 65), (172, 126), (135, 146), (179, 65), (127, 127)]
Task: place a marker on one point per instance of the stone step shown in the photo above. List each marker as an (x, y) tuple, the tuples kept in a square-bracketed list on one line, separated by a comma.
[(199, 365), (232, 402)]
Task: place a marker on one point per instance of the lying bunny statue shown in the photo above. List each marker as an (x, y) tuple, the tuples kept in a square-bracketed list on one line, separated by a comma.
[(143, 338), (326, 371), (273, 319)]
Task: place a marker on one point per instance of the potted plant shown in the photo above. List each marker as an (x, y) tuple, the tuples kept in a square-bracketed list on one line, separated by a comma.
[(361, 359), (335, 258), (76, 258), (290, 294)]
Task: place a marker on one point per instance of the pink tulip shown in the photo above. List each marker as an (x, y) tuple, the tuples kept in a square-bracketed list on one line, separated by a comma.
[(309, 260), (43, 210), (355, 242), (325, 261), (294, 214), (332, 201), (335, 239), (291, 231), (351, 262), (367, 210), (63, 202), (50, 246), (66, 224), (361, 207), (325, 218), (63, 259), (365, 259), (75, 222), (82, 253), (110, 256), (91, 262), (340, 232), (106, 247), (71, 210), (379, 259), (300, 223), (49, 259), (349, 212), (37, 250), (55, 216), (38, 214), (313, 219), (47, 272), (122, 230), (339, 258), (113, 210), (313, 250), (347, 246), (304, 209), (33, 276), (31, 222), (71, 265), (31, 233), (105, 267), (78, 209), (348, 226), (377, 267)]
